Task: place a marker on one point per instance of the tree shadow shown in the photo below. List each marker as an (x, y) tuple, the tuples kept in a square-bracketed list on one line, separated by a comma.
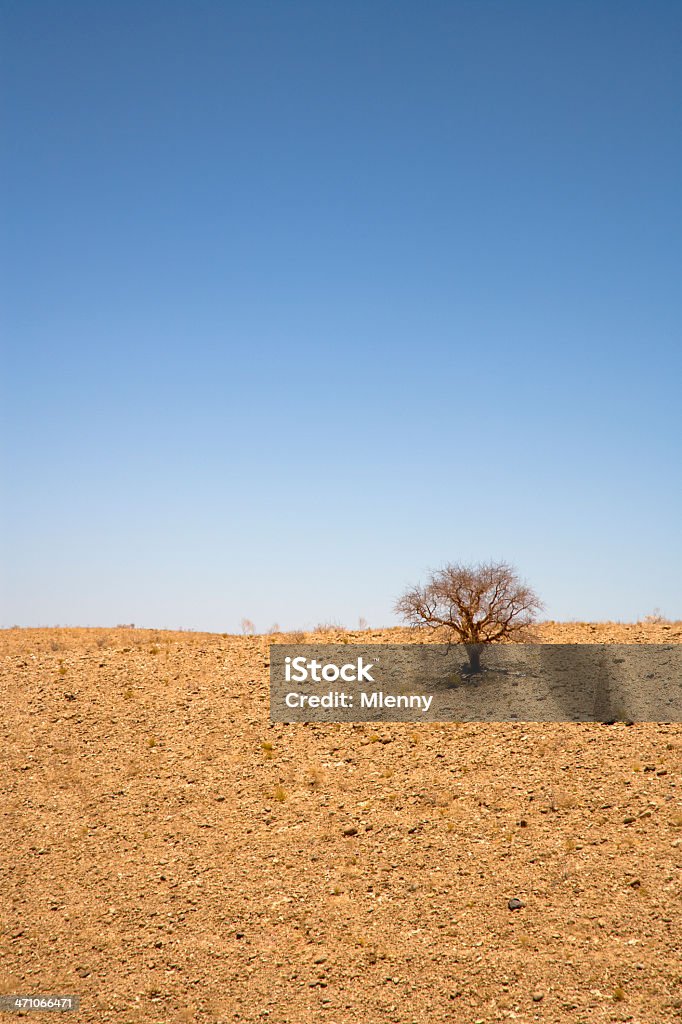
[(577, 682)]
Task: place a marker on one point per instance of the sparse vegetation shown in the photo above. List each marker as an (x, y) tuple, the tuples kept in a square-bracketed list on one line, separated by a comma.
[(242, 857), (656, 618), (315, 777)]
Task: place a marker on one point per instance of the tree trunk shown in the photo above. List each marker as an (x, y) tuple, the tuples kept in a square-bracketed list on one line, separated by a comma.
[(474, 652)]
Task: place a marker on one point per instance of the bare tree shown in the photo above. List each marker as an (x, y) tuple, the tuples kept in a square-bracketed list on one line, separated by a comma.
[(473, 605)]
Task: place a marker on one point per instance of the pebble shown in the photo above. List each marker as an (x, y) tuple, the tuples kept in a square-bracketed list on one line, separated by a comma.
[(538, 996), (350, 831), (515, 904)]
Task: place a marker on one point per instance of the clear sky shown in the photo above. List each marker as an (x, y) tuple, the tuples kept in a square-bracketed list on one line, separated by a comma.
[(303, 299)]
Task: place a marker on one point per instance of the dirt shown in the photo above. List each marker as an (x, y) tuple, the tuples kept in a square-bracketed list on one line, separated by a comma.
[(169, 854)]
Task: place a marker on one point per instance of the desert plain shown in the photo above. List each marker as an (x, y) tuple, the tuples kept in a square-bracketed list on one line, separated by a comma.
[(169, 854)]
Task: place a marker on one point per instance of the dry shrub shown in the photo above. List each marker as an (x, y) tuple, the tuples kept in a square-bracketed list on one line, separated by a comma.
[(315, 778), (295, 637), (655, 619), (558, 800)]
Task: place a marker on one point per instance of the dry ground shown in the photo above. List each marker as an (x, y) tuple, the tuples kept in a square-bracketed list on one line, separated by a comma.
[(171, 855)]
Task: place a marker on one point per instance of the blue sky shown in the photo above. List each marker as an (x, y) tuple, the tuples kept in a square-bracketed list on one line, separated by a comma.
[(303, 299)]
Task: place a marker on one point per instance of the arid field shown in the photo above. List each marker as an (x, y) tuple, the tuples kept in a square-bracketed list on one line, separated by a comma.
[(170, 855)]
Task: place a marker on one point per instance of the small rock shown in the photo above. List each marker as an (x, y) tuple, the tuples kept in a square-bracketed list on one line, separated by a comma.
[(515, 904), (350, 831), (82, 972), (538, 996), (629, 820)]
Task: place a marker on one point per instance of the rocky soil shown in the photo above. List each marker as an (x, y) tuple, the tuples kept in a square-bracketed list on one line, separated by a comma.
[(170, 855)]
